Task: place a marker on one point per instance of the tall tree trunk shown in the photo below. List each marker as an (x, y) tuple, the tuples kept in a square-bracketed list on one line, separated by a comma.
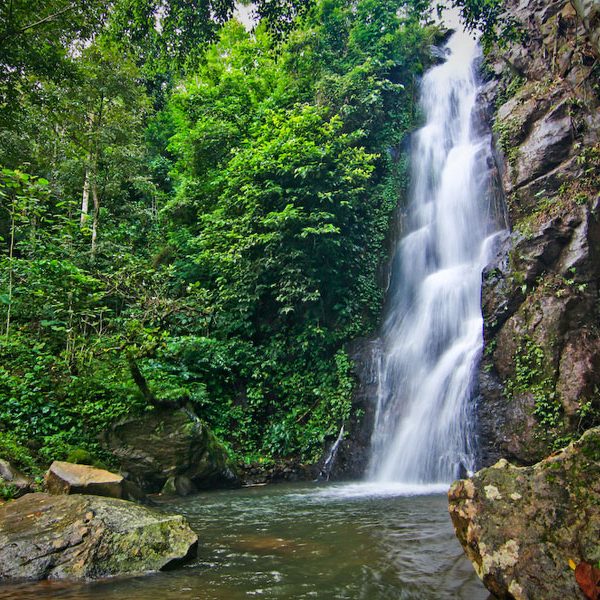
[(95, 218), (10, 267), (140, 381), (85, 197)]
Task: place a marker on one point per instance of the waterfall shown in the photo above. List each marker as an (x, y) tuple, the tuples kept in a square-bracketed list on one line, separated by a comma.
[(432, 334), (325, 472)]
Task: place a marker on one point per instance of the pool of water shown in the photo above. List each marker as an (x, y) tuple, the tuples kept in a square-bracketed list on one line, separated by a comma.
[(351, 541)]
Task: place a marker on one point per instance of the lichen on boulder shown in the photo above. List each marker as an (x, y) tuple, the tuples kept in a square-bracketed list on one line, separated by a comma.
[(524, 528), (88, 537)]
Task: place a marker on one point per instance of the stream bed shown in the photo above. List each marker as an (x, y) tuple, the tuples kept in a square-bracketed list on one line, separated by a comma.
[(296, 541)]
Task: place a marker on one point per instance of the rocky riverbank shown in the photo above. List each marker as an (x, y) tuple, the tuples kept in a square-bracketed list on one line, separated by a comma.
[(532, 532)]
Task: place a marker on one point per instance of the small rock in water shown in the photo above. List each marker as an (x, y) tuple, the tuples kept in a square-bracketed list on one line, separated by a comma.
[(11, 476)]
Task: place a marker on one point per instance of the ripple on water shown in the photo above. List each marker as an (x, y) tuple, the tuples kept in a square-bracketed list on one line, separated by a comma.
[(290, 542)]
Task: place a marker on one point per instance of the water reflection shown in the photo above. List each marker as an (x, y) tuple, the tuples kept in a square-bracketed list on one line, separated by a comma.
[(294, 542)]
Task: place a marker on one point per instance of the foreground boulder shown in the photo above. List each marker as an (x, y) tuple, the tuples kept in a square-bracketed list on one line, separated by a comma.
[(68, 478), (526, 528), (12, 478), (170, 449), (87, 537)]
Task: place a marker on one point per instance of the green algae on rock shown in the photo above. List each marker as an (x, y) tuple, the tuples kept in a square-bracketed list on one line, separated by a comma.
[(88, 537), (520, 526)]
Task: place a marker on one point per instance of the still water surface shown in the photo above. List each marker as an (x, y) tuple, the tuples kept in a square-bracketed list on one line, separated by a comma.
[(299, 541)]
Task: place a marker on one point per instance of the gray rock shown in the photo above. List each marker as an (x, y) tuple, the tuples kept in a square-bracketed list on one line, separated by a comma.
[(68, 478), (166, 443), (520, 526), (589, 12), (11, 476), (542, 288), (548, 144), (539, 296), (179, 485), (88, 537)]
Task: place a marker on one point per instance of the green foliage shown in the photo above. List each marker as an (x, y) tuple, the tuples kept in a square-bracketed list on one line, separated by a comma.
[(15, 453), (79, 456), (35, 44), (491, 19), (279, 16), (286, 184), (510, 84), (168, 35), (199, 223), (8, 491), (588, 413), (506, 131), (531, 377)]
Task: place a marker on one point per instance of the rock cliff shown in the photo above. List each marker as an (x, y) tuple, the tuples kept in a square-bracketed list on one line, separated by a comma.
[(540, 376)]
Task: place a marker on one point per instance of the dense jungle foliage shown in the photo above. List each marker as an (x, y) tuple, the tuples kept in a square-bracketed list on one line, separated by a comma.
[(194, 213)]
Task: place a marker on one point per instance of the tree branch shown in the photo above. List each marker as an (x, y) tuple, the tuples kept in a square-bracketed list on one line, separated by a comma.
[(46, 19), (140, 381)]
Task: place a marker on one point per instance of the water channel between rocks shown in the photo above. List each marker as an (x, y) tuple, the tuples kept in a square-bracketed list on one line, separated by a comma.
[(293, 541)]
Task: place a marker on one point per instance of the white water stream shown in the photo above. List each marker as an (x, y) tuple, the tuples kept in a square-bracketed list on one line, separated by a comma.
[(431, 338)]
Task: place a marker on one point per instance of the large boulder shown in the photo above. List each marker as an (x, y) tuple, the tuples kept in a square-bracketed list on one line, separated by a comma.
[(87, 537), (525, 528), (13, 479), (170, 449), (68, 478)]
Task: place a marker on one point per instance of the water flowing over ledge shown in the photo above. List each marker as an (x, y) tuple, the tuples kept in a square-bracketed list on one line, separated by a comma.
[(431, 339)]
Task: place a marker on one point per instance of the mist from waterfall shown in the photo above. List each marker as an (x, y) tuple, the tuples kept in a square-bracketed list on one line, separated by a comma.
[(431, 338)]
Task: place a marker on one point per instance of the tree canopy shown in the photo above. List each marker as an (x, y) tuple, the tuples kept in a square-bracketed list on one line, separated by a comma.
[(200, 205)]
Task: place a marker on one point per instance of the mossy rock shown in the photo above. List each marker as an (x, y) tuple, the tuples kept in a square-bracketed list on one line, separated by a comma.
[(166, 444), (524, 527), (88, 537)]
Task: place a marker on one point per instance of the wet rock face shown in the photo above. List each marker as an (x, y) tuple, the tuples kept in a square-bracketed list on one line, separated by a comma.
[(283, 470), (521, 526), (589, 12), (540, 375), (173, 449), (88, 537), (353, 452)]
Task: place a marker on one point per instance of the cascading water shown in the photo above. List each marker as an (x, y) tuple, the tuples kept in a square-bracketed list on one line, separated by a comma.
[(431, 338)]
